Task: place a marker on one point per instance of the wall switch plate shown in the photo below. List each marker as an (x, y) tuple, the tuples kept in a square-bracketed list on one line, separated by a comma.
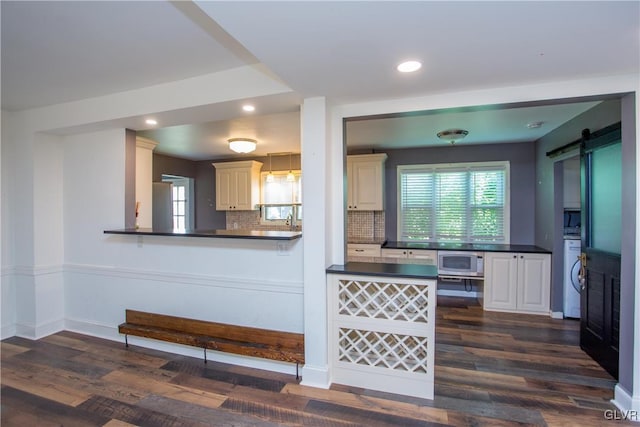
[(283, 248)]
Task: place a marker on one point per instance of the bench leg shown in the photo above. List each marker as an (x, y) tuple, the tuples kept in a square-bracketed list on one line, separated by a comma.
[(205, 354), (297, 374), (126, 341)]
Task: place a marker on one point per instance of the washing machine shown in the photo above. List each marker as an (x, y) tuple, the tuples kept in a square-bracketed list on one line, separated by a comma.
[(571, 282)]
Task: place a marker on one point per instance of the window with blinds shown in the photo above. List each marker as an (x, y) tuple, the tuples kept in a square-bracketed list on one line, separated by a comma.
[(464, 202), (281, 197)]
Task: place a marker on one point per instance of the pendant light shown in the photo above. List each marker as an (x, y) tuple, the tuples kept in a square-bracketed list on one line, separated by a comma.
[(270, 177), (290, 176)]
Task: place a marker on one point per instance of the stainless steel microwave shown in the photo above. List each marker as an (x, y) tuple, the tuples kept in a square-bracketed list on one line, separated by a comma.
[(461, 263)]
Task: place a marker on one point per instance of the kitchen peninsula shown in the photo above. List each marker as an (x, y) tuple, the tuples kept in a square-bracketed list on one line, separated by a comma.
[(233, 234), (382, 326)]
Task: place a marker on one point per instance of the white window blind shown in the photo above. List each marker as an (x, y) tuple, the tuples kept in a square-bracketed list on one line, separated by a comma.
[(281, 198), (454, 203)]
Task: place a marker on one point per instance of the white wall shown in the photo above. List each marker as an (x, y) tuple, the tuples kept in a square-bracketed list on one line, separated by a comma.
[(244, 282)]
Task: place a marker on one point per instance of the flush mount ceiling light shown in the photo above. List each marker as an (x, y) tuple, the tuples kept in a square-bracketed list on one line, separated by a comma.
[(534, 125), (151, 122), (452, 135), (242, 145), (409, 66), (248, 108)]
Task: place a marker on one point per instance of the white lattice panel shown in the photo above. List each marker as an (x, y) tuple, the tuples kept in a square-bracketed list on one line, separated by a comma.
[(383, 350), (383, 300), (382, 333)]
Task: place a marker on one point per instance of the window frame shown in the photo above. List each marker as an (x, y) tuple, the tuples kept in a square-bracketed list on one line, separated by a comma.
[(296, 206), (467, 167), (189, 201)]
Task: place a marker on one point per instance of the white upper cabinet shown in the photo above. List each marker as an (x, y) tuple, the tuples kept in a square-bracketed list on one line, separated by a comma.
[(365, 182), (237, 185)]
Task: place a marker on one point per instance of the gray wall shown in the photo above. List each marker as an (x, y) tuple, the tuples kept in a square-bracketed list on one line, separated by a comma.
[(207, 217), (522, 179), (204, 175), (548, 208), (172, 166)]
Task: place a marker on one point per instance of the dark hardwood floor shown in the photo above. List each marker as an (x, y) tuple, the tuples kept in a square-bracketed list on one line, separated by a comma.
[(492, 369)]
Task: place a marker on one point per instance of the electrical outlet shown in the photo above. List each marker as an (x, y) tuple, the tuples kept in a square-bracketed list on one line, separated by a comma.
[(283, 248)]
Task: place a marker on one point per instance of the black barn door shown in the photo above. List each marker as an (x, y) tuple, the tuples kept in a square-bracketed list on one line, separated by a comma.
[(601, 185)]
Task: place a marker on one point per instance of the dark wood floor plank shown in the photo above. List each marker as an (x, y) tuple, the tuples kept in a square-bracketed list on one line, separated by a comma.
[(362, 416), (492, 369), (8, 350), (16, 404), (282, 416), (202, 414), (42, 385), (146, 385), (133, 414), (225, 376), (87, 386), (378, 402)]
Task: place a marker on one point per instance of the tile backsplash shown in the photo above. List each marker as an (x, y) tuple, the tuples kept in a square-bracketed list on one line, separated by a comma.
[(250, 220), (365, 226)]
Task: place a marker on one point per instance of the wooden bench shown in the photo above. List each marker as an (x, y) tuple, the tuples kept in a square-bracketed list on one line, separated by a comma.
[(268, 344)]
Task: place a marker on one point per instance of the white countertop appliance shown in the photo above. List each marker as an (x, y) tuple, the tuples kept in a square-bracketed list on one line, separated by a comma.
[(571, 306), (460, 263)]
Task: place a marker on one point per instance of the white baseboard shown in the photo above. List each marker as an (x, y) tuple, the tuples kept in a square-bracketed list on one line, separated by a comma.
[(36, 332), (111, 333), (557, 315), (628, 405), (316, 376)]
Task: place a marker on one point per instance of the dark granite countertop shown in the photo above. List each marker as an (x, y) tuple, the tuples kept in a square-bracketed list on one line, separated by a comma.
[(479, 247), (233, 234), (416, 271)]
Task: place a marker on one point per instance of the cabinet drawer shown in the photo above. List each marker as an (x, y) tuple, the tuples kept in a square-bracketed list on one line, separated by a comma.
[(427, 256), (363, 249), (394, 253)]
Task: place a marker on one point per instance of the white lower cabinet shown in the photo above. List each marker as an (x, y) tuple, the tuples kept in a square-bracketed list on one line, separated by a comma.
[(382, 333), (417, 256), (362, 252), (517, 282)]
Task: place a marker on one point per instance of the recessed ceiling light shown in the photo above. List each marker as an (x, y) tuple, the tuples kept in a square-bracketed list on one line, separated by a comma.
[(248, 108), (409, 66), (534, 125), (151, 122)]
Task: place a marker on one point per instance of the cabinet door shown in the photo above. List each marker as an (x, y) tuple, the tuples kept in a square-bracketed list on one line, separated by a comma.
[(243, 190), (350, 185), (425, 256), (394, 253), (225, 189), (534, 282), (500, 281), (367, 186)]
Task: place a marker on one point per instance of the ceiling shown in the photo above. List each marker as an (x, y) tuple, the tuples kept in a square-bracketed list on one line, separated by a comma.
[(54, 52)]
